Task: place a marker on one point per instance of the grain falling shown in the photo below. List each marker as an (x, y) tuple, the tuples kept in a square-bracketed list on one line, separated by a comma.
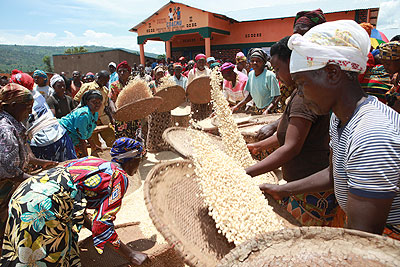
[(235, 202), (234, 143)]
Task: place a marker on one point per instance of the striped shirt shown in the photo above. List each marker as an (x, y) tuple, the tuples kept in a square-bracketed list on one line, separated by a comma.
[(366, 155)]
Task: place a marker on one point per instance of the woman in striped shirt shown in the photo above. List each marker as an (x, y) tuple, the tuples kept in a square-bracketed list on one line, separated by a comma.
[(364, 167)]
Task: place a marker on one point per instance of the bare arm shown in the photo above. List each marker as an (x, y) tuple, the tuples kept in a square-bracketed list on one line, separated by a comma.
[(266, 144), (242, 103), (272, 105), (268, 130), (367, 214), (296, 135)]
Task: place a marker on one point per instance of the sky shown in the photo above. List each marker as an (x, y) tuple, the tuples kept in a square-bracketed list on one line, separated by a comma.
[(107, 22)]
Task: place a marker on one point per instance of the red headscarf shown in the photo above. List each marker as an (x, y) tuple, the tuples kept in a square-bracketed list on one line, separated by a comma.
[(200, 56), (310, 18), (124, 64), (23, 79)]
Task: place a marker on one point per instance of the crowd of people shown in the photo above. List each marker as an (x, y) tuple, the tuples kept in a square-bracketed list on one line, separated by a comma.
[(337, 141)]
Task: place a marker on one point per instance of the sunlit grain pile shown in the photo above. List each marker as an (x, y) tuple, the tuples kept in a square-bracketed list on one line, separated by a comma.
[(136, 89), (235, 202), (235, 145)]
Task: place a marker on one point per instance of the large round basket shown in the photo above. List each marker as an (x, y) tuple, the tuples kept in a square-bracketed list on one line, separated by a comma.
[(239, 118), (315, 246), (175, 205), (179, 139), (139, 109), (172, 97), (199, 90)]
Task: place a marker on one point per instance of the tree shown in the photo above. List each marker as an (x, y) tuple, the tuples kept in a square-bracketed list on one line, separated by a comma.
[(75, 50), (161, 56), (47, 62)]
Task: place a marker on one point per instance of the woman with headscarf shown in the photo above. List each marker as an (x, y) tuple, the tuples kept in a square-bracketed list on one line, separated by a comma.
[(60, 103), (47, 211), (262, 84), (131, 129), (81, 122), (234, 83), (302, 148), (364, 169), (89, 77), (241, 62), (40, 78), (390, 57), (305, 20), (158, 121)]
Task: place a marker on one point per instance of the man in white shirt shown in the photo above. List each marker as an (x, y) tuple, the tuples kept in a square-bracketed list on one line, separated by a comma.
[(40, 78), (178, 78)]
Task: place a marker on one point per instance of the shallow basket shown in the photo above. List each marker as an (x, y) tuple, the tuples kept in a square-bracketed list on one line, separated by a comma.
[(180, 140), (172, 197), (239, 118), (315, 246), (255, 123), (199, 90)]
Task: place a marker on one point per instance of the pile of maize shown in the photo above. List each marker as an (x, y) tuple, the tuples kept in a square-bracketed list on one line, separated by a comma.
[(235, 202)]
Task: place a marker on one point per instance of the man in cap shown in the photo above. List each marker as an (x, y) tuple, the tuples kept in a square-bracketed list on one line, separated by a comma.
[(210, 61), (262, 84), (112, 67), (364, 168)]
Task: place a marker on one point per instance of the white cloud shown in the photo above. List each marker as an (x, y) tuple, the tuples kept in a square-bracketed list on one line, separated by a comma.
[(97, 35), (69, 34), (40, 37)]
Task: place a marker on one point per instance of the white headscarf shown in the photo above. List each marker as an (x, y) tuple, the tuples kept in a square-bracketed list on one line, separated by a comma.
[(54, 79), (343, 42)]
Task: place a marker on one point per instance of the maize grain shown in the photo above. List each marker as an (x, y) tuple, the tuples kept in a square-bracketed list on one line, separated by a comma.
[(234, 201), (234, 143)]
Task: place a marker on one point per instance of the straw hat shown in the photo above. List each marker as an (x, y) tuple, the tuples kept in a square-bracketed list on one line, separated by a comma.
[(315, 246), (172, 97), (199, 90), (136, 101)]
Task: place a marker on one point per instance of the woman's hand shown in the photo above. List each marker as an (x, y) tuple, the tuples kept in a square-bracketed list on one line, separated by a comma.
[(135, 257), (274, 191)]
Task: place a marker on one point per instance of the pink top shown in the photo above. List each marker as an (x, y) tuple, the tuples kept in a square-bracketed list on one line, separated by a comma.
[(236, 93)]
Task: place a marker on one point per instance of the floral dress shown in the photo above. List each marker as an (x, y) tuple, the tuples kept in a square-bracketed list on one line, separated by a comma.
[(46, 213)]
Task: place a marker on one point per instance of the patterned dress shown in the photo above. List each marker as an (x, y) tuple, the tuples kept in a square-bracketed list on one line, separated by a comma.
[(158, 123), (13, 159), (46, 213)]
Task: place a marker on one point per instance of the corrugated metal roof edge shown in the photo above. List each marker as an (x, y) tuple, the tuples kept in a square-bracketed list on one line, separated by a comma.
[(324, 13), (151, 55)]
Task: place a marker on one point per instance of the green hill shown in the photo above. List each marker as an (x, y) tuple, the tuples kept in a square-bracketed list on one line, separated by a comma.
[(29, 58)]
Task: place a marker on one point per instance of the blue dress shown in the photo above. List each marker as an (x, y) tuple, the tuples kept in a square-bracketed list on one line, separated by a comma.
[(79, 124)]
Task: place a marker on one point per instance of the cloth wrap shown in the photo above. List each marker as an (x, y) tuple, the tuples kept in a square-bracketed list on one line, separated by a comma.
[(310, 18), (240, 57), (343, 42), (124, 64), (56, 78), (390, 51), (40, 73), (258, 53), (125, 149), (23, 79), (14, 93)]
